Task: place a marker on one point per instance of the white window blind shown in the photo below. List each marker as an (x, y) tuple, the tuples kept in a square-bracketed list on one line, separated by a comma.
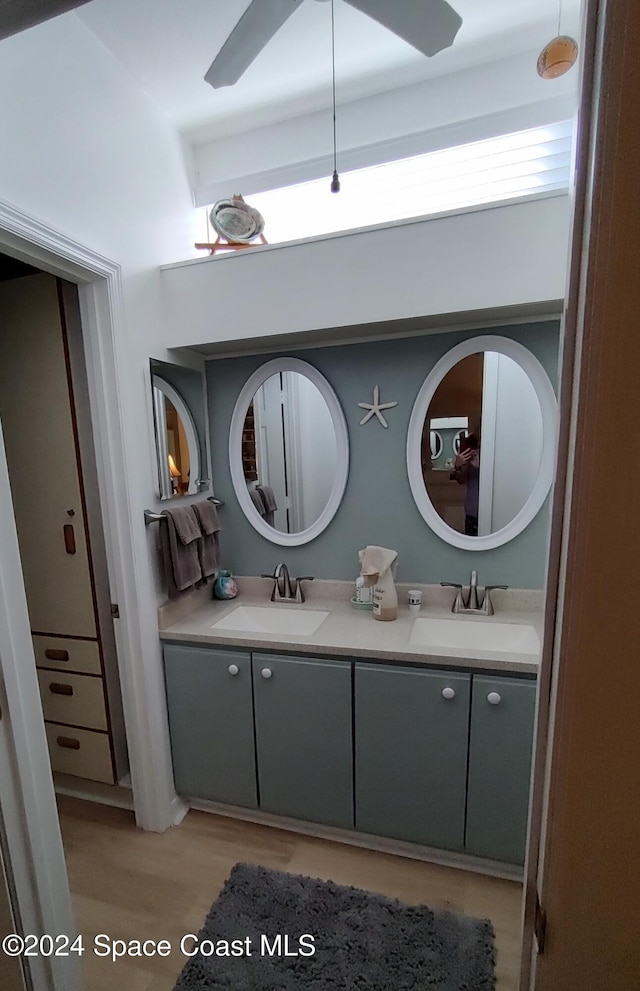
[(500, 168)]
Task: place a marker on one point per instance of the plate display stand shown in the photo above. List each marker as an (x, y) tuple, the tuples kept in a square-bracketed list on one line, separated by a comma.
[(219, 244)]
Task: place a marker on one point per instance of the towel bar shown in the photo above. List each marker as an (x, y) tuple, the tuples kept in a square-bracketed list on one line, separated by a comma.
[(151, 517)]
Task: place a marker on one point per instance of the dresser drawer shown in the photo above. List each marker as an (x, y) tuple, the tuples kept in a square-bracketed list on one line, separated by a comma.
[(67, 655), (75, 699), (81, 752)]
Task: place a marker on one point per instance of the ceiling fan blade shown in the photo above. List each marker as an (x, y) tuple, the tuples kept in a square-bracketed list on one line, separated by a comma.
[(254, 30), (428, 25), (18, 15)]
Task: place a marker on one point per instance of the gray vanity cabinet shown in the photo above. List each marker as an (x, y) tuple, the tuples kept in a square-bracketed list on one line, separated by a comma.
[(500, 751), (210, 707), (441, 758), (411, 739), (304, 737)]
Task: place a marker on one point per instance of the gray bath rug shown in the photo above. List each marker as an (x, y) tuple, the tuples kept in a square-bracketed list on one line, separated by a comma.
[(362, 942)]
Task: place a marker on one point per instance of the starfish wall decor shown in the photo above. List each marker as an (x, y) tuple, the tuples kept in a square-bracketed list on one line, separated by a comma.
[(375, 408)]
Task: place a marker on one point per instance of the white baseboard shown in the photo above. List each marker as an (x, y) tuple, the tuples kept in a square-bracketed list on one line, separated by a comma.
[(381, 844), (179, 809), (118, 796)]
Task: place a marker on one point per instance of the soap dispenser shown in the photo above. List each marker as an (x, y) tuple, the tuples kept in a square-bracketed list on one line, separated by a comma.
[(378, 566)]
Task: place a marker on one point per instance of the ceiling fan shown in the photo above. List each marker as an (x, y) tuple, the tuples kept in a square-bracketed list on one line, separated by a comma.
[(18, 15), (428, 25)]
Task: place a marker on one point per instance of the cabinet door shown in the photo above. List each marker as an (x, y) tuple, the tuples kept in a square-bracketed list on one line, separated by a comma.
[(502, 717), (411, 737), (303, 738), (211, 723)]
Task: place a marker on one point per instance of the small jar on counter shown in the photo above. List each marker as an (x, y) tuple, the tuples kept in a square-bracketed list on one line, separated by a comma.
[(225, 587)]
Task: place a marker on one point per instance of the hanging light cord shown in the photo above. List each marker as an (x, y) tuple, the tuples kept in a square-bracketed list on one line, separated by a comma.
[(335, 182), (559, 16)]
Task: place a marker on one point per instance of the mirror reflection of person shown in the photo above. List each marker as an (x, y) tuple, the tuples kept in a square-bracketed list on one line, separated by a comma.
[(466, 471)]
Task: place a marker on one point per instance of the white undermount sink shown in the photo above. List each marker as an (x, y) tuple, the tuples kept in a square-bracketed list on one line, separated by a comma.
[(272, 619), (475, 634)]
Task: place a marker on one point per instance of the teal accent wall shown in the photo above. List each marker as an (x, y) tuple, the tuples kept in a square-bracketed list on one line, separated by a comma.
[(377, 507)]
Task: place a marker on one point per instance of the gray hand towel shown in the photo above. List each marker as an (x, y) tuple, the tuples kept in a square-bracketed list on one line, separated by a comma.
[(270, 504), (180, 537), (268, 497), (258, 501), (209, 548)]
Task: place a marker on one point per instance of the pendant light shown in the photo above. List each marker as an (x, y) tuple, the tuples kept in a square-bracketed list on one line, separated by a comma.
[(558, 55), (335, 181)]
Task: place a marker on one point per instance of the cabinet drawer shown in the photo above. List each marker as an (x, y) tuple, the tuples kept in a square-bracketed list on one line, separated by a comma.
[(75, 699), (67, 655), (81, 752)]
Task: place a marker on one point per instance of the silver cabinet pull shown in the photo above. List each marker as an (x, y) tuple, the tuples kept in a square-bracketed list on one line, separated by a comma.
[(448, 693), (266, 672), (494, 698), (233, 669)]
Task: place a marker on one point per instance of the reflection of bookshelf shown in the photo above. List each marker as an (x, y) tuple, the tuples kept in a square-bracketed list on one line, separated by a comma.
[(249, 460)]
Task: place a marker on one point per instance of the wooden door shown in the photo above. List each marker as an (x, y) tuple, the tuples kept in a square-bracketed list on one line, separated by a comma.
[(585, 862)]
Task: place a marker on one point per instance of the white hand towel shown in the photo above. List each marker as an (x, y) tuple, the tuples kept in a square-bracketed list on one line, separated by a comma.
[(376, 560)]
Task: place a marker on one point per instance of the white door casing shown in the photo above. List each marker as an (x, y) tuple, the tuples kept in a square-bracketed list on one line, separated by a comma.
[(29, 812), (104, 335)]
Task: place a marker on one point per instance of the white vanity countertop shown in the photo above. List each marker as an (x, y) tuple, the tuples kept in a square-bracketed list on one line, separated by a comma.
[(351, 632)]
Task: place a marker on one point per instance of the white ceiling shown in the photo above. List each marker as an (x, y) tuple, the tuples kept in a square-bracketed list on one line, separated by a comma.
[(168, 45)]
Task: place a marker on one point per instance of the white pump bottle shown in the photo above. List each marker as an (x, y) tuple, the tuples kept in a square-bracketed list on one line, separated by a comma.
[(378, 566)]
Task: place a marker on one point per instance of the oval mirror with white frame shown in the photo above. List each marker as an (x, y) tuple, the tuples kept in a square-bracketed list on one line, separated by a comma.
[(494, 405), (177, 448), (288, 451)]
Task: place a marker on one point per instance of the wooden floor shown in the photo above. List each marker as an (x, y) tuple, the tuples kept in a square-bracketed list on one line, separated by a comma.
[(131, 884)]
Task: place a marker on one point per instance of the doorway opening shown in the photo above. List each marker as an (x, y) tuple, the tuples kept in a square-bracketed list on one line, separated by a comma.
[(48, 435)]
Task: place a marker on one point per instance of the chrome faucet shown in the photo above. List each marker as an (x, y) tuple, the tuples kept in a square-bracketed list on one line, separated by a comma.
[(282, 584), (471, 604), (283, 590)]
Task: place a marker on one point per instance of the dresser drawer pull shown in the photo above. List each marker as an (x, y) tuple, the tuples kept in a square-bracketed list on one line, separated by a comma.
[(57, 689), (68, 742), (69, 538), (56, 655)]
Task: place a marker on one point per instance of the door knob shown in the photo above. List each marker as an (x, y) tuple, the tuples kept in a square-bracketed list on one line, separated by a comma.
[(266, 672), (448, 693), (233, 669), (494, 698)]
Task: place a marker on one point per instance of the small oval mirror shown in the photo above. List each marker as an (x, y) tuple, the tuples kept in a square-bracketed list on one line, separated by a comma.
[(177, 446), (288, 451), (494, 407)]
